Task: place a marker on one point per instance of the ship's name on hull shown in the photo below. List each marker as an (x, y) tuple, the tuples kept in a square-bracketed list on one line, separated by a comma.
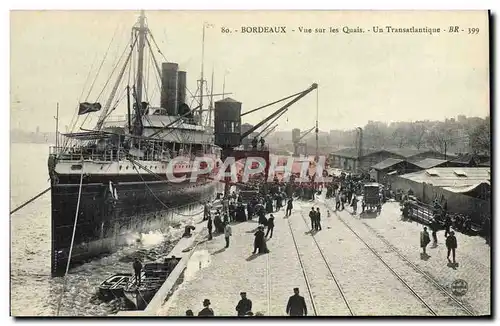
[(263, 29)]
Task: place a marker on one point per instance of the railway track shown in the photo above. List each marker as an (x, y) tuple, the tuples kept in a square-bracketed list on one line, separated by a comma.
[(307, 278), (436, 284)]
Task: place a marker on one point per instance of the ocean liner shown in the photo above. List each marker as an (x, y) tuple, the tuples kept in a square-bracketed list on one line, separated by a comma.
[(112, 179)]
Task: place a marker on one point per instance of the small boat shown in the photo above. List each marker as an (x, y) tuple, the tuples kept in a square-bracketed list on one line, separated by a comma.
[(152, 278), (114, 286)]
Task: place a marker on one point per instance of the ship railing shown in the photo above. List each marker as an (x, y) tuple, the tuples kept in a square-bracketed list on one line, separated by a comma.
[(117, 154), (83, 153)]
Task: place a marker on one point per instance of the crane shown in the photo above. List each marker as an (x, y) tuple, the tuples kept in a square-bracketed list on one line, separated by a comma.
[(297, 143), (264, 135)]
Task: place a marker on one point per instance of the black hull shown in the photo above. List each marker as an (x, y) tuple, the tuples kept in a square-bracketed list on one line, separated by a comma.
[(104, 221)]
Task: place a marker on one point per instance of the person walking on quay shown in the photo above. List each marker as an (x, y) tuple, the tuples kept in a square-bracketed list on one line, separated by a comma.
[(137, 270), (318, 220), (259, 237), (289, 207), (447, 225), (206, 211), (434, 228), (296, 305), (228, 232), (189, 313), (206, 311), (312, 216), (424, 240), (337, 200), (260, 241), (451, 245), (354, 204), (270, 226), (244, 305), (209, 227)]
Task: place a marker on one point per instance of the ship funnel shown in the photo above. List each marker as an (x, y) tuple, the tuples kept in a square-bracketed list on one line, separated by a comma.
[(181, 87), (169, 79)]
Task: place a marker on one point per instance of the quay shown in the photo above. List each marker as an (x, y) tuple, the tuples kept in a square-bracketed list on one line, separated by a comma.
[(352, 267)]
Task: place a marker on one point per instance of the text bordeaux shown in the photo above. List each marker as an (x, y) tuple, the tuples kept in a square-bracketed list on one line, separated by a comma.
[(263, 29)]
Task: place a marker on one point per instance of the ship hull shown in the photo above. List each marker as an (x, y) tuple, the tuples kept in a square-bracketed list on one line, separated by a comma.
[(110, 210)]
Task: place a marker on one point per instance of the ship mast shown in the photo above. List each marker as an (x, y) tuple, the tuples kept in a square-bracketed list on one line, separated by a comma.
[(202, 80), (140, 60), (210, 108), (142, 30)]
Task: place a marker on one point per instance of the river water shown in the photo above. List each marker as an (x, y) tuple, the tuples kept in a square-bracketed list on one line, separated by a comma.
[(33, 291)]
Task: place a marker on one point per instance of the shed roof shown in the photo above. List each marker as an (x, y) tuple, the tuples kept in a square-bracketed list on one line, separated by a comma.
[(408, 152), (386, 164), (351, 152), (451, 177), (429, 163)]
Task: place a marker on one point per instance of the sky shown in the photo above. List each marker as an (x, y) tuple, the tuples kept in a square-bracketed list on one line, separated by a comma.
[(361, 76)]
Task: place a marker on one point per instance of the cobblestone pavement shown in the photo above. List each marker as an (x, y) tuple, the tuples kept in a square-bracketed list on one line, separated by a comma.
[(369, 286), (396, 241)]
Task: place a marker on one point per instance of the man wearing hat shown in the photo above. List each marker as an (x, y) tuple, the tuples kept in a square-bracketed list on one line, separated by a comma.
[(296, 305), (244, 305), (206, 311)]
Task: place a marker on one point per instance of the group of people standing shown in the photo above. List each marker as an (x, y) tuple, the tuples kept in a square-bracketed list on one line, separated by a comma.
[(315, 216), (451, 243), (296, 306)]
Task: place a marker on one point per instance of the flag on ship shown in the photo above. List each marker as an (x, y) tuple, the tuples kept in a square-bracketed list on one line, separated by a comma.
[(87, 107)]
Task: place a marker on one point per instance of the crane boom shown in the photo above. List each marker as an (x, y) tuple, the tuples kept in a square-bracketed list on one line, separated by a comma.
[(269, 131), (305, 134), (280, 110)]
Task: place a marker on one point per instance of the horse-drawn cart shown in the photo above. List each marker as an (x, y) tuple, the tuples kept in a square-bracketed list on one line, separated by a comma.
[(371, 197)]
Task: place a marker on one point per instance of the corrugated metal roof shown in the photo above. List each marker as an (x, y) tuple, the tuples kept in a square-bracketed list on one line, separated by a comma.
[(464, 189), (408, 152), (386, 163), (429, 163), (450, 177)]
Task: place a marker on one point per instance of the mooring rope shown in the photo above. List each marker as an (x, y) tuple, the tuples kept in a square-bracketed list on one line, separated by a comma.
[(156, 197), (72, 242), (29, 201)]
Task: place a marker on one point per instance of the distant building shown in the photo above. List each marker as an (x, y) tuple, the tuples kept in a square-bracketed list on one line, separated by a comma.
[(429, 163), (382, 172), (349, 159), (470, 160)]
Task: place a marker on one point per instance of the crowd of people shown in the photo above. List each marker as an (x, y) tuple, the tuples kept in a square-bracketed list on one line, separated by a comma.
[(344, 191)]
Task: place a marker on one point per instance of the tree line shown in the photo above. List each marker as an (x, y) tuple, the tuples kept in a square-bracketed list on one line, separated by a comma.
[(455, 135)]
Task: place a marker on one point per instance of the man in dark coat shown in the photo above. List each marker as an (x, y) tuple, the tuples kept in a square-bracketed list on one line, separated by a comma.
[(244, 305), (451, 244), (209, 227), (296, 305), (289, 207), (137, 270), (424, 240), (312, 217), (318, 220), (206, 311), (270, 226)]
